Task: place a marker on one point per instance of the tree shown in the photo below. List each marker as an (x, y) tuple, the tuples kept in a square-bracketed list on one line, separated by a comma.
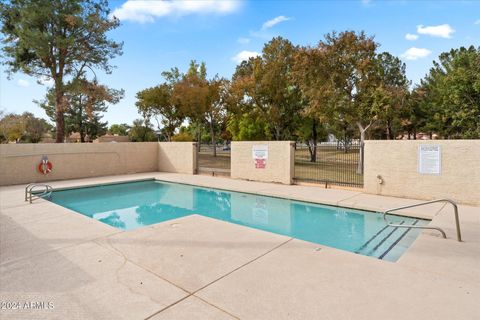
[(416, 115), (215, 108), (245, 121), (452, 94), (199, 99), (353, 80), (191, 94), (85, 101), (248, 127), (141, 131), (35, 127), (183, 135), (119, 129), (157, 102), (390, 92), (311, 75), (263, 86), (310, 131), (25, 127), (13, 127), (58, 40)]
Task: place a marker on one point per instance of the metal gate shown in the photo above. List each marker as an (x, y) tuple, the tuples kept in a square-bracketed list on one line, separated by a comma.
[(335, 163), (209, 164)]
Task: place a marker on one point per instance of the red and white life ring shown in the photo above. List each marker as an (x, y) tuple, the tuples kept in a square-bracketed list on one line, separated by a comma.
[(45, 167)]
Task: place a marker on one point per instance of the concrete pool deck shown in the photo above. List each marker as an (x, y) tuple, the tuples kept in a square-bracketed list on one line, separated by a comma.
[(200, 268)]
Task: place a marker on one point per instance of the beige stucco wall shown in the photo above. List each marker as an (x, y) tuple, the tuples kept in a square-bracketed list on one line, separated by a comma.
[(397, 163), (180, 157), (18, 162), (279, 166)]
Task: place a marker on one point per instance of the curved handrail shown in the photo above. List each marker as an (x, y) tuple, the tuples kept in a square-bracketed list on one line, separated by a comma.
[(27, 191), (47, 192), (455, 208)]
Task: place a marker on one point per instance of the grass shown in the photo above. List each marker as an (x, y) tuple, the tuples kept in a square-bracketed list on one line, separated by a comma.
[(207, 160), (329, 154), (315, 172)]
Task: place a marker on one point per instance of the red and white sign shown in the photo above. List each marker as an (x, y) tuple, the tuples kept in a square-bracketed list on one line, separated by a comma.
[(260, 156), (260, 163)]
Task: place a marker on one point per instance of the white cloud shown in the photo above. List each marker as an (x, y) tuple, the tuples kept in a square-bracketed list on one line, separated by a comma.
[(366, 2), (411, 37), (442, 30), (416, 53), (244, 55), (23, 83), (270, 23), (243, 40), (477, 22), (147, 10)]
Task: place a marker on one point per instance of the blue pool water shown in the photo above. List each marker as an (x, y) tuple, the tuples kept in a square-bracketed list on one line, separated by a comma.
[(128, 206)]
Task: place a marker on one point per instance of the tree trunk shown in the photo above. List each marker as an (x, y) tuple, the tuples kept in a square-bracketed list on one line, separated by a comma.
[(389, 130), (313, 148), (277, 133), (59, 119), (362, 141), (199, 138), (82, 128), (360, 160), (82, 136), (214, 138)]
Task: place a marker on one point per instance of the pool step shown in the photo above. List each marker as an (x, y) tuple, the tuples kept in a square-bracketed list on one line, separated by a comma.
[(383, 244)]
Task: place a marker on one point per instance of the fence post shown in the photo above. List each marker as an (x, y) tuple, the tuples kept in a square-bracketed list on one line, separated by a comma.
[(293, 147), (195, 157), (362, 147)]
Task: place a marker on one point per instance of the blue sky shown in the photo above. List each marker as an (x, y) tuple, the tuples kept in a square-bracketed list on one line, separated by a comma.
[(161, 35)]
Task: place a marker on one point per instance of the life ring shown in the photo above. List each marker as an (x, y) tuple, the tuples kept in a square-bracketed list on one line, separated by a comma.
[(45, 167)]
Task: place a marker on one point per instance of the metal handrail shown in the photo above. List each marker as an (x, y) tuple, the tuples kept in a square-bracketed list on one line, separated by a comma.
[(27, 191), (455, 208), (47, 192)]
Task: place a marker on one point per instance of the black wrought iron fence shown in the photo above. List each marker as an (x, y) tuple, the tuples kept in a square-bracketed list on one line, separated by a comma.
[(333, 163)]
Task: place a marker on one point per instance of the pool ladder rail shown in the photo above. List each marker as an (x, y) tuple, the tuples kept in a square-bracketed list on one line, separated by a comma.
[(31, 194), (444, 235)]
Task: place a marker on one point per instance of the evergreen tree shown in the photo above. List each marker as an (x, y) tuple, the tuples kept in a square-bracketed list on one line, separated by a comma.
[(59, 40)]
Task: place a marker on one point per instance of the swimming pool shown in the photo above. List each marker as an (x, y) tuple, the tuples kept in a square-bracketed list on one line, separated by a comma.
[(132, 205)]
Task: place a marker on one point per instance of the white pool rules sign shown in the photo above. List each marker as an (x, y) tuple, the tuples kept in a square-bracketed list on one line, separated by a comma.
[(429, 159), (260, 155)]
